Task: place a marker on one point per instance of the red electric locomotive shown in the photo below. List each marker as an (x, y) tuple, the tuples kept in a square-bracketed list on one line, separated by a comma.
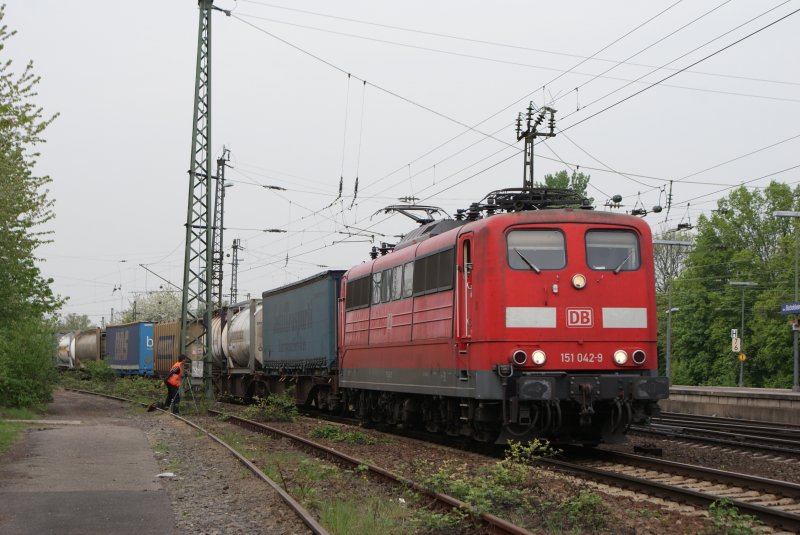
[(530, 323)]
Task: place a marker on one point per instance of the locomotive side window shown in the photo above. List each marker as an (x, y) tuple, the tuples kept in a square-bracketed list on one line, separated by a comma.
[(376, 287), (434, 273), (612, 250), (408, 279), (386, 286), (357, 293), (397, 282), (536, 249)]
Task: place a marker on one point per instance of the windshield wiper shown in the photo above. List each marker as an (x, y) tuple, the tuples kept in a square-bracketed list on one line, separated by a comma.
[(530, 264), (619, 267)]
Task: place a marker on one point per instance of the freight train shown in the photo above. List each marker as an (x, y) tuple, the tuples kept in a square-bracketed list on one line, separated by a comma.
[(528, 316)]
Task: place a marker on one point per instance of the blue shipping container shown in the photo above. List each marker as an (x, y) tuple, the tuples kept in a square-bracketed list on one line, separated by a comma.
[(129, 348), (300, 323)]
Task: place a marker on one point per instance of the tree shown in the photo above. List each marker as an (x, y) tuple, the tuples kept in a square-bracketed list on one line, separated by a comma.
[(740, 241), (669, 260), (73, 322), (563, 180), (26, 370), (164, 305)]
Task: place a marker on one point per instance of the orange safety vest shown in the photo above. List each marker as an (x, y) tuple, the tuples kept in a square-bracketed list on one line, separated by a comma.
[(175, 379)]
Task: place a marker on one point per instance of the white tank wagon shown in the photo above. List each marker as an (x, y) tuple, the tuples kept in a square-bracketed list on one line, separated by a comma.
[(242, 342), (89, 345), (217, 345), (243, 337), (65, 353)]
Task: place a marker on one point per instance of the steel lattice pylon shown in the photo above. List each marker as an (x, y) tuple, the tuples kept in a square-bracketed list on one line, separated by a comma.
[(219, 221), (197, 272)]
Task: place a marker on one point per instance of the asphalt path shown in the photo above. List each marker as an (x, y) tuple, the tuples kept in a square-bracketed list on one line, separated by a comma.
[(96, 476)]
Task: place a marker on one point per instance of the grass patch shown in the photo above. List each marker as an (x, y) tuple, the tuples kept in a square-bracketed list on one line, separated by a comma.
[(337, 434), (8, 435), (12, 413), (373, 515)]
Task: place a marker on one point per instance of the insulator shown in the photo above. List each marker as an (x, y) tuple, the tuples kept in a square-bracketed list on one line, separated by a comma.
[(616, 199), (657, 209), (638, 211)]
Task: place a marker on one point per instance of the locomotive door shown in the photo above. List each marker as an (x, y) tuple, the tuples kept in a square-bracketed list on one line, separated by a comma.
[(464, 308)]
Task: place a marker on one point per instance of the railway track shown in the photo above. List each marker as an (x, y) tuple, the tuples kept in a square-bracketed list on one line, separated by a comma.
[(765, 429), (299, 510), (491, 523), (776, 503), (757, 436)]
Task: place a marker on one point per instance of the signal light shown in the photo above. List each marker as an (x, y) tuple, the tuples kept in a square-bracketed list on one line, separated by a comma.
[(519, 357), (639, 357), (620, 357), (538, 357)]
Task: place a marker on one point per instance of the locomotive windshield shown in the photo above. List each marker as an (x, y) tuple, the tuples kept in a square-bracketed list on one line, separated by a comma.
[(612, 250), (536, 249)]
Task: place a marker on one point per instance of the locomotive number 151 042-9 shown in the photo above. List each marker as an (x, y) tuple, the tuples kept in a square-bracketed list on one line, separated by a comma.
[(569, 358)]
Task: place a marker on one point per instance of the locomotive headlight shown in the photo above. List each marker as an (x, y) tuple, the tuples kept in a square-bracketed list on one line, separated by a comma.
[(578, 281), (620, 357), (639, 357), (538, 357), (519, 357)]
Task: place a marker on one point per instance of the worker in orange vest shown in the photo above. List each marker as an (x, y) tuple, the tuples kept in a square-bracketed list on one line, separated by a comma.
[(173, 382)]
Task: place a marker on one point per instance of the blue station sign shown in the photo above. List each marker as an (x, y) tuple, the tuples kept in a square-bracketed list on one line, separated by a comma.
[(790, 308)]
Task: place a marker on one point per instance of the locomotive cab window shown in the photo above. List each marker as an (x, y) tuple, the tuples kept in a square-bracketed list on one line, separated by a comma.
[(536, 249), (612, 250)]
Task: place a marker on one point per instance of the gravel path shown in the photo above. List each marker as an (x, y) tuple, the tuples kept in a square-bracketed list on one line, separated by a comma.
[(211, 492)]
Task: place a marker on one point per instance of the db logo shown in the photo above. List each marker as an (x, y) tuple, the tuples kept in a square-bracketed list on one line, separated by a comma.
[(579, 317)]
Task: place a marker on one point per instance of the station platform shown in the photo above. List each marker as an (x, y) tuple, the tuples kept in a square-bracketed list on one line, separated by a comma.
[(93, 473), (760, 404)]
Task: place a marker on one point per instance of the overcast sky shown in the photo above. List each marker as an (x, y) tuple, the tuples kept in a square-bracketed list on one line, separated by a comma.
[(121, 76)]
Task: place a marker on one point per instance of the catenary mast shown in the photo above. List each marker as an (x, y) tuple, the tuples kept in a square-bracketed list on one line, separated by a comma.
[(197, 268)]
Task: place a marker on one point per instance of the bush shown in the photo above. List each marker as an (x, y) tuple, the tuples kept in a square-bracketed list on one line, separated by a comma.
[(586, 511), (99, 370), (727, 519), (27, 371), (274, 408)]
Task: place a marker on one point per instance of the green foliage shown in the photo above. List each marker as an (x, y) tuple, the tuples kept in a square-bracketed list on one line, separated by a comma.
[(528, 453), (26, 347), (274, 408), (500, 486), (577, 181), (585, 512), (374, 514), (740, 241), (337, 434), (99, 370), (728, 520), (27, 371), (73, 322), (427, 521)]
